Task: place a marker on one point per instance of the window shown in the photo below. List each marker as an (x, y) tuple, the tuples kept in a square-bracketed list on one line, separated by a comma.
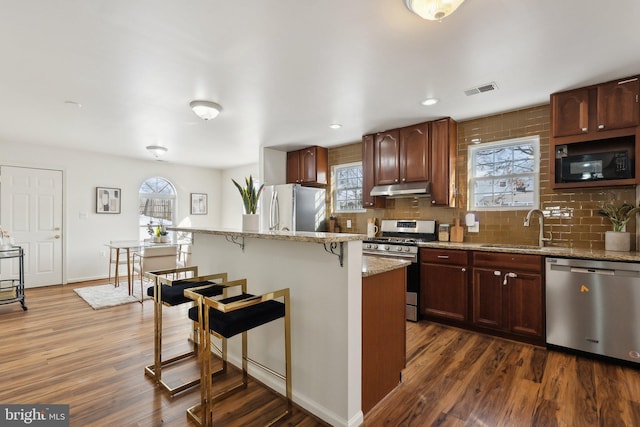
[(157, 201), (347, 187), (504, 174)]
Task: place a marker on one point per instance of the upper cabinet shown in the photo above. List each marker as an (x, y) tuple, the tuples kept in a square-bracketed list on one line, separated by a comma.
[(417, 153), (307, 166), (368, 175), (599, 108), (402, 155), (444, 136), (602, 118)]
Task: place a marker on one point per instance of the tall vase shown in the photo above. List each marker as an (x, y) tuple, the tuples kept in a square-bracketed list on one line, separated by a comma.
[(250, 222), (619, 241)]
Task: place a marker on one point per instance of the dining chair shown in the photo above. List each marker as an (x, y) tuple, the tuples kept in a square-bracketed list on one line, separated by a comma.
[(152, 259)]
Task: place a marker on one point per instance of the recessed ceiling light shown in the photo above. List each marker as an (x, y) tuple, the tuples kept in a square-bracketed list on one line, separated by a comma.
[(430, 101), (156, 150), (73, 103), (335, 125)]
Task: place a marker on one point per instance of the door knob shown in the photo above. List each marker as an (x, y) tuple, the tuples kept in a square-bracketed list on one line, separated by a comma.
[(57, 236), (56, 229)]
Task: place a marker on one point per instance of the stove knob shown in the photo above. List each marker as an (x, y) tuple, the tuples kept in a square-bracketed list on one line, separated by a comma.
[(399, 249), (407, 249), (374, 246), (386, 247), (367, 246)]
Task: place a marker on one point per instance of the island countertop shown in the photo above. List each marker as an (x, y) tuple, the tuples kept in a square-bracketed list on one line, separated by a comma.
[(372, 265), (297, 236)]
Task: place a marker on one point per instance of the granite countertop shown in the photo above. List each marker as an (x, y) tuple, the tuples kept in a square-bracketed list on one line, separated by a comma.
[(552, 251), (372, 265), (297, 236)]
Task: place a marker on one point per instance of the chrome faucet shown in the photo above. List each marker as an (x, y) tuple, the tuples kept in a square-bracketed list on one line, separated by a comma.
[(527, 222)]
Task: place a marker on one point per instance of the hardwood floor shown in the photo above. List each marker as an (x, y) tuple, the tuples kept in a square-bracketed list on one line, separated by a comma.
[(460, 378), (62, 351)]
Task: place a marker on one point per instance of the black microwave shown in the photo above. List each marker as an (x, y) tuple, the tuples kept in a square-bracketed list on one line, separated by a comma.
[(596, 166)]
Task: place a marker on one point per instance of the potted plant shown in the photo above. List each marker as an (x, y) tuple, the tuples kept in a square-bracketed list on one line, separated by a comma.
[(250, 195), (618, 239)]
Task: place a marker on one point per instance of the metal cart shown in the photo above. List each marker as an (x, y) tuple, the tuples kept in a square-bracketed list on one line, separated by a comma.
[(12, 290)]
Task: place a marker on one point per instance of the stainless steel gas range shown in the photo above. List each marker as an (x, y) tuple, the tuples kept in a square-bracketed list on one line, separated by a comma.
[(400, 239)]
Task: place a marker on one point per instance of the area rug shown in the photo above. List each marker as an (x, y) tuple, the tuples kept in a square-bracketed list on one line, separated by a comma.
[(103, 296)]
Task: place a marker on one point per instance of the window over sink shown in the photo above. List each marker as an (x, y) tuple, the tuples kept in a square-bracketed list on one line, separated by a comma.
[(346, 185), (504, 174)]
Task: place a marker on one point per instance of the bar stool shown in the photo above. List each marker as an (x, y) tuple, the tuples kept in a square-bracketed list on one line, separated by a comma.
[(226, 318), (167, 291)]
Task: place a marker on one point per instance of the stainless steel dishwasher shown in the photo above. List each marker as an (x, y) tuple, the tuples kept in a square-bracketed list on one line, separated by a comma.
[(594, 306)]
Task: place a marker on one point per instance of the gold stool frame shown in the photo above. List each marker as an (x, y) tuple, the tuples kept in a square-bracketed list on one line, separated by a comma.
[(160, 278), (202, 413)]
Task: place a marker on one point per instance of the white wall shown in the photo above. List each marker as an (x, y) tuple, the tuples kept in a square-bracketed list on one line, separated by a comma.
[(232, 208), (84, 231)]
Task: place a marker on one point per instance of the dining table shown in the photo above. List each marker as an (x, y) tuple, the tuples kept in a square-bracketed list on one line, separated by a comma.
[(129, 247)]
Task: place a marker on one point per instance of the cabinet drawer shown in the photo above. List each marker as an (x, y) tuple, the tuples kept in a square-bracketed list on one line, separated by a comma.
[(516, 262), (444, 256)]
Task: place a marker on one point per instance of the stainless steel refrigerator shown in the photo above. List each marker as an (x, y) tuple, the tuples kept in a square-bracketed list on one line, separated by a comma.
[(292, 207)]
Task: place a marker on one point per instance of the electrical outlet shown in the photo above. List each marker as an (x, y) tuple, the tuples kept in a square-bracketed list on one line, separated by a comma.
[(348, 223)]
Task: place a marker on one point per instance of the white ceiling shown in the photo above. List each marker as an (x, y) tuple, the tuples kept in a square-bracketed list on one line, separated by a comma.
[(283, 70)]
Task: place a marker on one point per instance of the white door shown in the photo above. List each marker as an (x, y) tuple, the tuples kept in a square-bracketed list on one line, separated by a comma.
[(31, 211)]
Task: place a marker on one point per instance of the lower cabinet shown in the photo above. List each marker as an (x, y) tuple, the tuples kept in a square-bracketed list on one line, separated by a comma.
[(508, 294), (499, 293), (445, 283)]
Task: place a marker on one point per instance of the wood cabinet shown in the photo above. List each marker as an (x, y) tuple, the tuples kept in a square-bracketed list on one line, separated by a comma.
[(417, 153), (383, 334), (387, 157), (508, 294), (368, 174), (443, 162), (444, 287), (308, 166), (402, 155), (599, 108), (598, 118)]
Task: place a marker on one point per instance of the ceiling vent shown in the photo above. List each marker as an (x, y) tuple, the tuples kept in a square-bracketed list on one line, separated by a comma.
[(488, 87)]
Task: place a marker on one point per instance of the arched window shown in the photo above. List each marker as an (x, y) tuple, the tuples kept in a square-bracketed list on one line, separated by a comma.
[(157, 205)]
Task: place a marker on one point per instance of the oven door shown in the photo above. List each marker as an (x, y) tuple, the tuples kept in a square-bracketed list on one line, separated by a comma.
[(412, 285)]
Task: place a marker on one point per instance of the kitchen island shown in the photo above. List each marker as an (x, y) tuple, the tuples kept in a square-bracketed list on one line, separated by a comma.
[(324, 273)]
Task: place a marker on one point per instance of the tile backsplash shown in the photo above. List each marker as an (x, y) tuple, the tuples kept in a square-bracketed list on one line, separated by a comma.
[(571, 216)]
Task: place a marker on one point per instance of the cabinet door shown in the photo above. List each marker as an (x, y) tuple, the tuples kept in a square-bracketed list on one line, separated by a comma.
[(618, 105), (444, 292), (293, 167), (443, 143), (368, 175), (526, 304), (308, 165), (570, 112), (488, 301), (387, 157), (414, 153)]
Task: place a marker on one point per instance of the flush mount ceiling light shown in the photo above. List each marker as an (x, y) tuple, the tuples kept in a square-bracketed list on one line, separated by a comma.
[(434, 10), (206, 110), (156, 150), (335, 125), (430, 101)]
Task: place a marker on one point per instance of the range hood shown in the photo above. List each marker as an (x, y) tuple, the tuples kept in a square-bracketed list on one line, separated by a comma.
[(410, 189)]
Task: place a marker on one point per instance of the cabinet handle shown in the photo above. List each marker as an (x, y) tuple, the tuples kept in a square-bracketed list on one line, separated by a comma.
[(404, 179), (433, 202), (600, 126), (395, 180), (443, 256), (463, 269), (584, 129), (497, 273)]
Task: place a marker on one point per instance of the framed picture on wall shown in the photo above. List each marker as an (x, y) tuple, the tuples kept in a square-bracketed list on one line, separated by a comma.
[(198, 204), (108, 200)]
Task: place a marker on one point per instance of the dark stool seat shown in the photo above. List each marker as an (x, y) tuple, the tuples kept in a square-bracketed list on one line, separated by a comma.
[(230, 316), (169, 292)]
